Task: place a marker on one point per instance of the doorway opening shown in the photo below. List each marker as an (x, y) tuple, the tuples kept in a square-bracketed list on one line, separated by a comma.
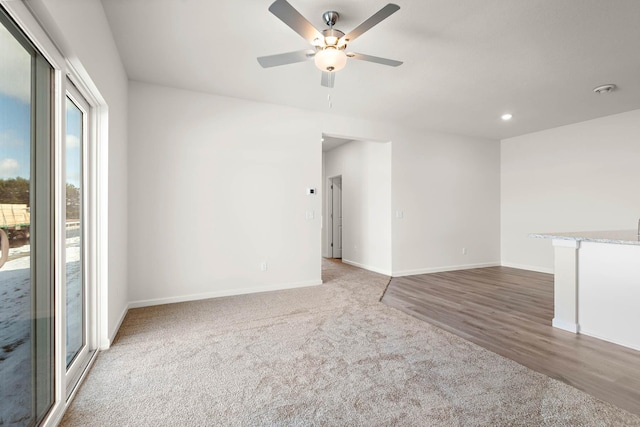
[(356, 202)]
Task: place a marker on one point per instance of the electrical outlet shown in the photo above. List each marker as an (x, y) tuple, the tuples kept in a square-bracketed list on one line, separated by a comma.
[(263, 266), (464, 251)]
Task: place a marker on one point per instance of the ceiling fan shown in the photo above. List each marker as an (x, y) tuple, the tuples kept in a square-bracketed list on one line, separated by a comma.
[(328, 45)]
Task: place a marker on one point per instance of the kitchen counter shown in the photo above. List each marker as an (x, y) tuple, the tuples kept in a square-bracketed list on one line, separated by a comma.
[(617, 237), (597, 284)]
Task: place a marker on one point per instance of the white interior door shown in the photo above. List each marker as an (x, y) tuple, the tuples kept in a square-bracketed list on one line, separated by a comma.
[(336, 217)]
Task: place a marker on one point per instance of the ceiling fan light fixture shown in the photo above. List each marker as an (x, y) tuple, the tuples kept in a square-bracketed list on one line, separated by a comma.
[(331, 41), (330, 59)]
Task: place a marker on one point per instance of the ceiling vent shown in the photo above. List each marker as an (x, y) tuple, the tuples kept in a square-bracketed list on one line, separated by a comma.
[(604, 88)]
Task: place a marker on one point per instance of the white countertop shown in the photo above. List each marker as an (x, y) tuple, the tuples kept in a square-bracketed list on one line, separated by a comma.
[(618, 237)]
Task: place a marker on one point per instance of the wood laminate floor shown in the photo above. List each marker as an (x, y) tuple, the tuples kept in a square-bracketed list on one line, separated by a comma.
[(509, 312)]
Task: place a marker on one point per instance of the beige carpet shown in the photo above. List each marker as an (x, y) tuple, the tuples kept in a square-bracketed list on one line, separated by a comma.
[(327, 355)]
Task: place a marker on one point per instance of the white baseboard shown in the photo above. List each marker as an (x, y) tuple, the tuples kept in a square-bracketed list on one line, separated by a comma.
[(528, 267), (367, 267), (105, 345), (624, 344), (564, 325), (222, 293), (402, 273)]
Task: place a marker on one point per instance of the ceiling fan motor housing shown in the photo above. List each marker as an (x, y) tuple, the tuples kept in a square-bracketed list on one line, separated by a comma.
[(331, 38)]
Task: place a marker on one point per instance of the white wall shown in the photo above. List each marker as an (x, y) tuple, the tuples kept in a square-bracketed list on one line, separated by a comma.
[(217, 186), (81, 31), (573, 178), (448, 189), (365, 168)]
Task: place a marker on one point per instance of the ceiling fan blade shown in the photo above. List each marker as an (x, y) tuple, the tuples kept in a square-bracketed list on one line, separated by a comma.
[(374, 20), (298, 23), (286, 58), (376, 59), (328, 79)]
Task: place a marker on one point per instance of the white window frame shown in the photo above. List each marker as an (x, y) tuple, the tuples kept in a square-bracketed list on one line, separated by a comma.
[(76, 370)]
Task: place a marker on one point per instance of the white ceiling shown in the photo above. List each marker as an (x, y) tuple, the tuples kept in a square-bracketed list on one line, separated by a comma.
[(465, 61)]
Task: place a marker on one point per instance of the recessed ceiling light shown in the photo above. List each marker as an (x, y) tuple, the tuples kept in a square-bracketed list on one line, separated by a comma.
[(507, 116)]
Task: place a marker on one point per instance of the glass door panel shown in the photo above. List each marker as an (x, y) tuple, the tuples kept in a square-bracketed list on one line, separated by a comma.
[(73, 233), (15, 221), (26, 288), (79, 343)]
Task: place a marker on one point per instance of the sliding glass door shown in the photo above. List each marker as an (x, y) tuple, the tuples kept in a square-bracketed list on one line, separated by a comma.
[(26, 231), (48, 209)]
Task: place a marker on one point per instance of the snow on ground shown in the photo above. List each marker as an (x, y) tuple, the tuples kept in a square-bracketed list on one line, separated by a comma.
[(74, 298), (15, 345), (15, 329)]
